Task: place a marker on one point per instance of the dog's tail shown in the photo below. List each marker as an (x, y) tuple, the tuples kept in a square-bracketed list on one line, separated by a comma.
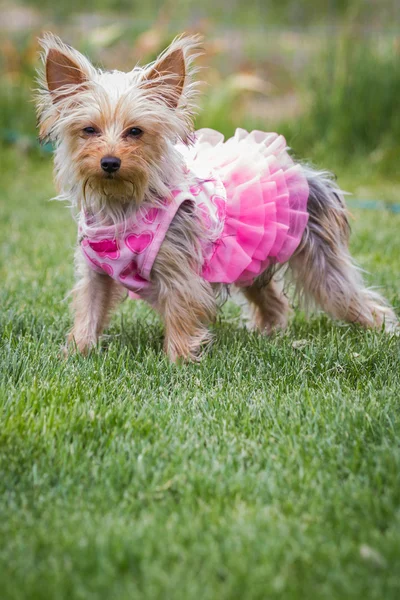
[(322, 267)]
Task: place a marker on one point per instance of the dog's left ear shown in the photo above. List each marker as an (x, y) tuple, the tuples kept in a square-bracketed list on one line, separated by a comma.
[(170, 73), (167, 77)]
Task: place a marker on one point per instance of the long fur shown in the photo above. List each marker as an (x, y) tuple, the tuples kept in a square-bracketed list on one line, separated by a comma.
[(160, 99), (185, 300), (322, 268)]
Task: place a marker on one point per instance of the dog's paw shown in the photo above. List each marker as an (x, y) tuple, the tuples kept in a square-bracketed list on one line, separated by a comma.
[(190, 349), (76, 346)]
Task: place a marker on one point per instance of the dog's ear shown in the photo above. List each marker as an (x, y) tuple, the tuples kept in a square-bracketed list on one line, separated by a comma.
[(167, 77), (61, 71), (170, 74), (65, 69), (65, 73)]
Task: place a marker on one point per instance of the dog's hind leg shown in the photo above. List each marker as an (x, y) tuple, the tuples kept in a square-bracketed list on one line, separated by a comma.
[(270, 305), (322, 267)]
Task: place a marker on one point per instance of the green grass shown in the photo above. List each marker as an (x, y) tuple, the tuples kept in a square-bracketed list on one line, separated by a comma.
[(266, 471)]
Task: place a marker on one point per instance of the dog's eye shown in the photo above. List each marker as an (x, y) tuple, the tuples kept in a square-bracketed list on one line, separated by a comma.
[(135, 131), (89, 130)]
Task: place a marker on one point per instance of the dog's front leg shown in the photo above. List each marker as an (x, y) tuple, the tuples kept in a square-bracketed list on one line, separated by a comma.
[(186, 317), (94, 295), (187, 304), (185, 300)]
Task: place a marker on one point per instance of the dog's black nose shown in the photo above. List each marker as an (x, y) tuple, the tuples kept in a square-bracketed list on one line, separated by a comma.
[(110, 164)]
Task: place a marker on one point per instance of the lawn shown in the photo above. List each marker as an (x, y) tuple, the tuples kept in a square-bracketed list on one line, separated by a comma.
[(270, 470)]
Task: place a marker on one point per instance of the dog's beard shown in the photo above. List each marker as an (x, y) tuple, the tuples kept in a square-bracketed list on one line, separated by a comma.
[(115, 189), (112, 199)]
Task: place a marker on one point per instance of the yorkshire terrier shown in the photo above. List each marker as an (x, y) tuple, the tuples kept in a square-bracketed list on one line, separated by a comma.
[(176, 216)]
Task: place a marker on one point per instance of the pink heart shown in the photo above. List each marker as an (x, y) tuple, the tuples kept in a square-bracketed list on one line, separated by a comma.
[(138, 243), (105, 248)]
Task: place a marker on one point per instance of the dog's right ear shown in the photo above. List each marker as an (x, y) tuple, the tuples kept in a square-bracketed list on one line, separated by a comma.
[(65, 70), (61, 71), (65, 73)]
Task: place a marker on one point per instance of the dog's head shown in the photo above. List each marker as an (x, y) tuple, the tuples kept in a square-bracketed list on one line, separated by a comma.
[(115, 132)]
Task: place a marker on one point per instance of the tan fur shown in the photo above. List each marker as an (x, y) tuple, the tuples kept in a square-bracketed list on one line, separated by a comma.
[(187, 311), (185, 300), (337, 287), (271, 307)]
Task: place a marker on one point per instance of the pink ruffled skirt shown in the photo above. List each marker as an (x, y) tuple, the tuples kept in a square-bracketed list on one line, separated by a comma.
[(266, 210)]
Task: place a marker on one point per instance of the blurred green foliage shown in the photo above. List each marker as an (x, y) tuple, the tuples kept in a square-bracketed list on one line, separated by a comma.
[(353, 107), (252, 12)]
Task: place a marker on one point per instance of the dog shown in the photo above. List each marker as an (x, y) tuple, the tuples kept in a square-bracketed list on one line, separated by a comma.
[(176, 217)]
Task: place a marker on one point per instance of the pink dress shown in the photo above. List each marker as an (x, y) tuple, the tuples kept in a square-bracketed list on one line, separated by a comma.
[(249, 195)]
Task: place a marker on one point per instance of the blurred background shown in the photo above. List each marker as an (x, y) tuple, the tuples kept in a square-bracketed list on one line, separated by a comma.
[(326, 73)]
